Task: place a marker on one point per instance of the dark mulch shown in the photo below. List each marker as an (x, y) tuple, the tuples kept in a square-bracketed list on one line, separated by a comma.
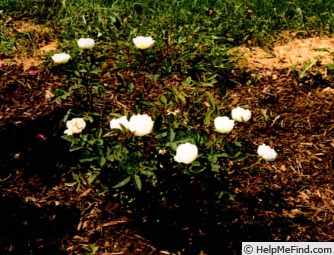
[(290, 199)]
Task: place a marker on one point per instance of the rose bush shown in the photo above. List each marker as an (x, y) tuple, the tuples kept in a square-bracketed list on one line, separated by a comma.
[(177, 140)]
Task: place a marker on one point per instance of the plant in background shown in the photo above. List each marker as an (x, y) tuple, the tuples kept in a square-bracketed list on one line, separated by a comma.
[(143, 43), (82, 74)]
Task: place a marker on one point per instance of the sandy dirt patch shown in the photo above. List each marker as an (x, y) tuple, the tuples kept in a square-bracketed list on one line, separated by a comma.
[(23, 26), (296, 52), (49, 47)]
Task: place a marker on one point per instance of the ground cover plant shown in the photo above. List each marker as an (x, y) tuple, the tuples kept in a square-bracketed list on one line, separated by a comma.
[(142, 127)]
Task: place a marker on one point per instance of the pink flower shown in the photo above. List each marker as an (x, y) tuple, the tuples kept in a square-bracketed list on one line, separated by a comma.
[(32, 72), (2, 64), (41, 136)]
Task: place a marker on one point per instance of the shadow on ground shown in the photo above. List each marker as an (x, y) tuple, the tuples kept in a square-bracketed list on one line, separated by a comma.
[(23, 147), (28, 229), (24, 227), (191, 227)]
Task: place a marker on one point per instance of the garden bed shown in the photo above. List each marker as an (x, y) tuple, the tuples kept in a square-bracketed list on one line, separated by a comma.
[(290, 199)]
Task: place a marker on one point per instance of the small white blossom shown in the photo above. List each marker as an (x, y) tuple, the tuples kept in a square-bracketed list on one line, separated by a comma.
[(266, 152), (224, 124), (186, 153), (142, 42), (141, 124), (162, 152), (61, 58), (241, 115), (86, 43), (75, 126), (173, 112), (115, 123)]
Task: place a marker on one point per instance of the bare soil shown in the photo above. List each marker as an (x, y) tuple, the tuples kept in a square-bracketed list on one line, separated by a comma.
[(283, 55)]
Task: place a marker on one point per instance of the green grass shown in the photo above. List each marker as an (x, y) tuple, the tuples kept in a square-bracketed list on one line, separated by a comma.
[(201, 31), (219, 22)]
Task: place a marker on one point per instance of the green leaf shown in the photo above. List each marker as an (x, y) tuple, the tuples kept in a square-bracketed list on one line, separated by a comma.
[(228, 147), (143, 102), (101, 161), (76, 177), (89, 118), (69, 138), (183, 99), (171, 135), (137, 182), (75, 148), (215, 168), (70, 184), (163, 99), (99, 142), (224, 155), (211, 99), (122, 183), (130, 87), (207, 121), (93, 248), (87, 158), (173, 146), (308, 66), (95, 71), (158, 123), (27, 199), (99, 133), (91, 178)]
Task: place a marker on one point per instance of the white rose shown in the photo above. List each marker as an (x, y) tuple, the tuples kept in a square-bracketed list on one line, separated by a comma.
[(224, 124), (115, 123), (75, 126), (141, 124), (186, 153), (86, 43), (266, 152), (61, 58), (241, 115), (142, 42)]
